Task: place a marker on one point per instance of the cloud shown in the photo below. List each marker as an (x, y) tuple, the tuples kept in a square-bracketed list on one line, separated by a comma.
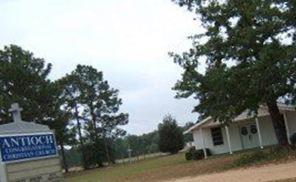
[(128, 40)]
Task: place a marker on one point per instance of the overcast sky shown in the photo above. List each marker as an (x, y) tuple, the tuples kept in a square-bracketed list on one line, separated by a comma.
[(128, 40)]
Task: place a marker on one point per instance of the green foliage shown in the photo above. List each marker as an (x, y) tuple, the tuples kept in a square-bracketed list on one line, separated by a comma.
[(65, 135), (95, 154), (188, 155), (95, 106), (99, 102), (23, 79), (247, 61), (188, 137), (120, 148), (250, 52), (143, 144), (73, 157), (193, 154), (259, 156), (83, 96), (171, 138), (140, 145), (279, 151), (252, 158)]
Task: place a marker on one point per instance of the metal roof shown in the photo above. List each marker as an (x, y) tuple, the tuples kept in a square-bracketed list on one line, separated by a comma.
[(243, 116), (22, 127), (18, 126)]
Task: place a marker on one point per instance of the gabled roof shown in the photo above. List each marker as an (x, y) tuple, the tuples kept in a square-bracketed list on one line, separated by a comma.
[(197, 125), (22, 127), (19, 126), (262, 111)]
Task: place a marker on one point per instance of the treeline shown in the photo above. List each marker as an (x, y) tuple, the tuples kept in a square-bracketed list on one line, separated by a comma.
[(81, 107), (138, 145), (152, 142), (168, 138)]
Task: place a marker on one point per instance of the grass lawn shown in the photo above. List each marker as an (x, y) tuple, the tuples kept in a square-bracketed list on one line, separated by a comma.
[(159, 168)]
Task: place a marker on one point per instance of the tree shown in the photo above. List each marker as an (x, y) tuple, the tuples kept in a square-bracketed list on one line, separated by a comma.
[(121, 147), (188, 137), (23, 79), (65, 134), (140, 145), (136, 144), (71, 95), (99, 105), (250, 51), (170, 136)]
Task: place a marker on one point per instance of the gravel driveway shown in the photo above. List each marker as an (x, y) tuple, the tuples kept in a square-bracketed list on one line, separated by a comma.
[(270, 172)]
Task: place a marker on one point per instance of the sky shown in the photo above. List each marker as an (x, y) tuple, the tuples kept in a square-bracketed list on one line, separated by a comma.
[(128, 40)]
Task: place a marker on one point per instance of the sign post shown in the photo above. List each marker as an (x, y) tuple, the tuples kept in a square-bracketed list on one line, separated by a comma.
[(28, 151)]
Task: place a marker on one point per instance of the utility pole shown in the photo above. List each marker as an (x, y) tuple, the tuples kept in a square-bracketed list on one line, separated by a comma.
[(129, 150)]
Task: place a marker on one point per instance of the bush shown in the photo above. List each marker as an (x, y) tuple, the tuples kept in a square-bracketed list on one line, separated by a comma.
[(188, 155), (251, 158), (293, 139), (279, 151), (193, 154), (274, 153)]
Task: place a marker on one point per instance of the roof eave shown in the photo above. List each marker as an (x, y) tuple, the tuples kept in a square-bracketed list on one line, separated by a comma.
[(197, 125)]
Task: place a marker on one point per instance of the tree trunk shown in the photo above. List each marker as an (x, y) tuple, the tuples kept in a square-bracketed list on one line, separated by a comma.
[(94, 122), (107, 151), (65, 165), (80, 138), (97, 134), (278, 122)]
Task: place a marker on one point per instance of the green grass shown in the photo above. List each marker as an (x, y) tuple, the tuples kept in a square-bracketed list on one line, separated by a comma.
[(116, 173), (274, 153), (175, 166)]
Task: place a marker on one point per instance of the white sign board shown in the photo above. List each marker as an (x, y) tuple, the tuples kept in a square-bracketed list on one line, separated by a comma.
[(28, 152)]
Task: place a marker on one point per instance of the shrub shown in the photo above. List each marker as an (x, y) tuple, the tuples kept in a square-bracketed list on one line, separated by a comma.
[(188, 156), (193, 154), (197, 155), (274, 153), (254, 157), (278, 152), (189, 153)]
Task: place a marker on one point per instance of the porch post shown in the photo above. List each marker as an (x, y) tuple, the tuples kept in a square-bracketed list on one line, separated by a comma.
[(259, 132), (203, 143), (228, 139), (287, 127)]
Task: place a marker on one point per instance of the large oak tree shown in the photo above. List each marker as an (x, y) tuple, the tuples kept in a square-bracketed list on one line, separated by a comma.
[(250, 50)]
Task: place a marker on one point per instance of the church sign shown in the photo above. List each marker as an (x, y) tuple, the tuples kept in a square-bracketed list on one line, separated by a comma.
[(22, 147), (28, 151)]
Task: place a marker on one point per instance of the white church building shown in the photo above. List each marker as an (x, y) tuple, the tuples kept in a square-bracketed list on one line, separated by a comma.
[(245, 132)]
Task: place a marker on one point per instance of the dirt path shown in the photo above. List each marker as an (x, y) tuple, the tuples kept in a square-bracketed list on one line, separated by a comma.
[(269, 172)]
